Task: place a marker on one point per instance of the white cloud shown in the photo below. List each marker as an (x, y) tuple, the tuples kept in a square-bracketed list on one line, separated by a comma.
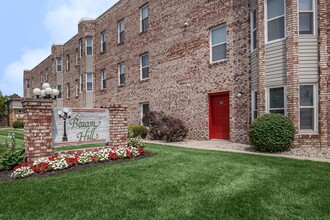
[(12, 79), (62, 22)]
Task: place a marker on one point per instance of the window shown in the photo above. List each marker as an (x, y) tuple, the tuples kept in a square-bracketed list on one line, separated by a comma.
[(307, 108), (254, 104), (144, 111), (58, 64), (253, 30), (103, 42), (144, 66), (89, 82), (59, 88), (76, 87), (121, 31), (306, 17), (89, 45), (81, 83), (276, 100), (104, 78), (80, 48), (46, 75), (27, 82), (67, 62), (144, 14), (77, 56), (275, 19), (68, 90), (219, 43), (121, 73)]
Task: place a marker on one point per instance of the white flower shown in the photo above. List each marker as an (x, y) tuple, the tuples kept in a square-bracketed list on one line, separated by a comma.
[(22, 172)]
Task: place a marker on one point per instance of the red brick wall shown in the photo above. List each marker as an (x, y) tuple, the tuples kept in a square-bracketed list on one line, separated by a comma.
[(37, 128)]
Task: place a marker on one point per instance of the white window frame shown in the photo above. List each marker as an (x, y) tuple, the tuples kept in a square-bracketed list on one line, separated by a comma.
[(314, 18), (87, 45), (120, 31), (27, 81), (103, 79), (142, 67), (76, 85), (268, 98), (59, 64), (80, 47), (77, 56), (266, 24), (141, 110), (211, 46), (89, 82), (59, 88), (253, 16), (254, 99), (68, 90), (141, 17), (121, 73), (103, 42), (46, 75), (315, 105), (67, 60), (81, 83)]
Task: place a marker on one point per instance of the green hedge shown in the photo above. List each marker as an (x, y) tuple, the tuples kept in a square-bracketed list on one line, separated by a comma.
[(272, 133)]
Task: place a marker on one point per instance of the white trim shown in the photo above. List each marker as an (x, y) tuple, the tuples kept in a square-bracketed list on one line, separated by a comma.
[(80, 83), (266, 23), (76, 87), (211, 46), (120, 73), (103, 33), (141, 13), (88, 82), (86, 46), (141, 67), (253, 107), (268, 99), (80, 47), (56, 64), (253, 29), (118, 26), (103, 72), (315, 106), (68, 92), (314, 11), (67, 61), (141, 110)]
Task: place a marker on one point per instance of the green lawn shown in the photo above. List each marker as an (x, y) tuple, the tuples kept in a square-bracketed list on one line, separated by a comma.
[(177, 183), (3, 137)]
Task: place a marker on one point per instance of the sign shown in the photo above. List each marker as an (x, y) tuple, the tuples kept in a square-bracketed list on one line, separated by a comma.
[(80, 126)]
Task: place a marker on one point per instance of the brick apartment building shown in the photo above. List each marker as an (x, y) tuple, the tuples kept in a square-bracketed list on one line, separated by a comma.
[(216, 64)]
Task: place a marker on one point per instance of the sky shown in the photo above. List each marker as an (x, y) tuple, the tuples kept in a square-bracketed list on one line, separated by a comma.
[(30, 27)]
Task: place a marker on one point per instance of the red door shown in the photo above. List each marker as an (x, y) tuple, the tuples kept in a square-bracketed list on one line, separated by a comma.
[(219, 116)]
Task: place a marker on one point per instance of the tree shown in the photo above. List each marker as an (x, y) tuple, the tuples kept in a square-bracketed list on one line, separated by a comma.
[(3, 105)]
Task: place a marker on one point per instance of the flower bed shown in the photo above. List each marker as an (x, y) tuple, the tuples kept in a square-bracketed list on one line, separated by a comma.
[(64, 161)]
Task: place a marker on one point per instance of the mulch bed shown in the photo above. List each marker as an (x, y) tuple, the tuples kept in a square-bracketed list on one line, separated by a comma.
[(5, 175)]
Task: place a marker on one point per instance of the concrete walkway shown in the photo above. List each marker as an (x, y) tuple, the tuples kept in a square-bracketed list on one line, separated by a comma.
[(223, 145)]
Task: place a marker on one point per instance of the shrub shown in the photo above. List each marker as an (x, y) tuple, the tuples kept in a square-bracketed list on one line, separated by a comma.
[(272, 133), (18, 124), (137, 131), (133, 142), (12, 158), (165, 127)]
